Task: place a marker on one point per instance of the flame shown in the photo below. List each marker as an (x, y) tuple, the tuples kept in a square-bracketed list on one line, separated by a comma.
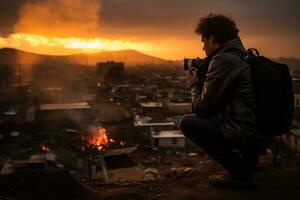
[(122, 143), (45, 148), (82, 148), (112, 140), (100, 140)]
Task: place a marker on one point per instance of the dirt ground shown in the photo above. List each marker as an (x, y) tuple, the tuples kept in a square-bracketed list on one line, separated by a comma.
[(280, 182)]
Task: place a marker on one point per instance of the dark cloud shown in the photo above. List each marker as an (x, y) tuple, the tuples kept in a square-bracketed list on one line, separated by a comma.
[(9, 15), (60, 18), (253, 17)]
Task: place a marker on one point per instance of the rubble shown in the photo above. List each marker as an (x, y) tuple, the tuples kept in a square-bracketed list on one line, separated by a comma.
[(47, 157), (182, 171), (193, 154), (14, 134), (150, 174)]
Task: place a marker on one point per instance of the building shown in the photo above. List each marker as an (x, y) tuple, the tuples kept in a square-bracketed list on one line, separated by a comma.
[(110, 71), (13, 114), (123, 92), (296, 84), (65, 111), (151, 108), (146, 94), (30, 114), (292, 139), (116, 165), (168, 138), (7, 77), (179, 101), (179, 107), (146, 126), (297, 100), (153, 126)]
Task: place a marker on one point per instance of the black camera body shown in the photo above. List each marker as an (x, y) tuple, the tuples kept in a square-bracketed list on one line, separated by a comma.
[(201, 65)]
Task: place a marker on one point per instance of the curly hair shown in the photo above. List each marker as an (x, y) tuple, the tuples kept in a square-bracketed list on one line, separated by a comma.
[(221, 27)]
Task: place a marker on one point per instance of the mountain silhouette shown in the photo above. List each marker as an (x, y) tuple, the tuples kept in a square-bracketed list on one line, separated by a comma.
[(129, 57)]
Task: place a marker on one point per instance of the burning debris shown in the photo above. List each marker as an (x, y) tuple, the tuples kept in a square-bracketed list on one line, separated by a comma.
[(97, 138), (45, 148), (106, 153), (122, 143)]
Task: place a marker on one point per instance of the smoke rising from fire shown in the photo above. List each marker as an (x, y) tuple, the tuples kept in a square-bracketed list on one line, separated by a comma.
[(59, 18)]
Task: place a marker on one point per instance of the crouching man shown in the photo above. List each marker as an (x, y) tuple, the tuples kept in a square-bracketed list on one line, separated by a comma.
[(222, 119)]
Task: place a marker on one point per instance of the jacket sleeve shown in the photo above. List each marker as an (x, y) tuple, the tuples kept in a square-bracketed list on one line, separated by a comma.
[(210, 101)]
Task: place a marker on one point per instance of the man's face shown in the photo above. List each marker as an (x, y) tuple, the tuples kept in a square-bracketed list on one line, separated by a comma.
[(208, 45)]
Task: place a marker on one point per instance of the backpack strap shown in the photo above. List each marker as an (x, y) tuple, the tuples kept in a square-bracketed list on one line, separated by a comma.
[(275, 149), (251, 52), (242, 54)]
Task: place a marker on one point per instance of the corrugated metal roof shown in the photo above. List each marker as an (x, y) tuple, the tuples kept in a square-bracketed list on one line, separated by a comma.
[(140, 123), (169, 134), (151, 104), (116, 152), (65, 106), (296, 132)]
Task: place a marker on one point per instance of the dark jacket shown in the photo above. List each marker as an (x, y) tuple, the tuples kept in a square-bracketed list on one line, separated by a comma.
[(228, 94)]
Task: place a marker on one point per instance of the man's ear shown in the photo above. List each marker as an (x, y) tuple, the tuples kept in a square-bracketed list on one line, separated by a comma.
[(212, 39)]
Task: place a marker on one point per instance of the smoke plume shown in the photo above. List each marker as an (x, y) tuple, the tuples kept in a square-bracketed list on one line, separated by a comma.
[(59, 18)]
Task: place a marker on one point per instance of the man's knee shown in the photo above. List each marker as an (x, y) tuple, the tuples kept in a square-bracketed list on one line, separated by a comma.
[(185, 123)]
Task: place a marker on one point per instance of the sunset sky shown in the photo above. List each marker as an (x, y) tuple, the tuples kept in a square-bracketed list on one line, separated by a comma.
[(162, 28)]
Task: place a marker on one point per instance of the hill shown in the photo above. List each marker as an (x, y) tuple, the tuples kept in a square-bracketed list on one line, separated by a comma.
[(293, 63), (129, 57)]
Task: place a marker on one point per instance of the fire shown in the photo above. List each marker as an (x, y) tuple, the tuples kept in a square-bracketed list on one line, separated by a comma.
[(82, 148), (112, 140), (99, 140), (122, 143), (45, 148)]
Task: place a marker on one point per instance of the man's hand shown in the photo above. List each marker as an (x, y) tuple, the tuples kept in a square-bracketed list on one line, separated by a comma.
[(192, 76)]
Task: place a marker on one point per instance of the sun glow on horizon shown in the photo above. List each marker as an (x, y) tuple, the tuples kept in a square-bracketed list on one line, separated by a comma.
[(169, 49), (50, 45)]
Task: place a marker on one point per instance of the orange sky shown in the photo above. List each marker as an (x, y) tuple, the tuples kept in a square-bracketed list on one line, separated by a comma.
[(60, 27), (171, 49)]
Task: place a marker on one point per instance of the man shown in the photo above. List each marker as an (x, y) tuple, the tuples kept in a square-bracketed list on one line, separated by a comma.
[(223, 122)]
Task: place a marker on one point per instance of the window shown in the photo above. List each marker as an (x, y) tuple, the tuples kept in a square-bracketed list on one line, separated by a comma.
[(174, 141)]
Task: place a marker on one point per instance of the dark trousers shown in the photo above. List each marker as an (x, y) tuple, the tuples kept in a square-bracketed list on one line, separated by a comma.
[(207, 134)]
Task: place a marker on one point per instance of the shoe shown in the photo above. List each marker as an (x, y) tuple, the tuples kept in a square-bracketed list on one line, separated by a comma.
[(225, 180)]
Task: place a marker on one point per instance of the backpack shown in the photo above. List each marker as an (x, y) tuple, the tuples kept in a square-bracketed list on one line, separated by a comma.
[(273, 87), (274, 94)]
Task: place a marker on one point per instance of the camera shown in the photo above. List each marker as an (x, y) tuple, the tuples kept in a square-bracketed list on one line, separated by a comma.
[(201, 65)]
